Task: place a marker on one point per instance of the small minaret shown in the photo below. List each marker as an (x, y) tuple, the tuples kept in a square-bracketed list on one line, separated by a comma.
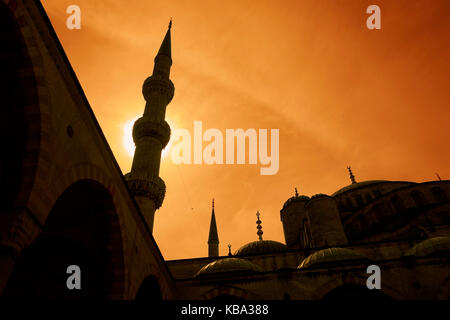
[(352, 177), (151, 134), (258, 222), (229, 250), (213, 239)]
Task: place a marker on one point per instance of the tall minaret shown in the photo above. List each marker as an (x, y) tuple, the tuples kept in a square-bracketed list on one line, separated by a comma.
[(151, 134), (213, 240)]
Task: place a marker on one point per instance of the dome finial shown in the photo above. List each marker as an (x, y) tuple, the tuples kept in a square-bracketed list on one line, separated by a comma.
[(438, 176), (296, 192), (229, 250), (258, 222), (352, 177)]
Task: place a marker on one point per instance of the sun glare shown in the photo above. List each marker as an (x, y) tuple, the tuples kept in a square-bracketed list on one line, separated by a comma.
[(128, 142)]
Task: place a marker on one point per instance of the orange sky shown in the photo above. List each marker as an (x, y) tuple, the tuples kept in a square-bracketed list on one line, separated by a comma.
[(339, 93)]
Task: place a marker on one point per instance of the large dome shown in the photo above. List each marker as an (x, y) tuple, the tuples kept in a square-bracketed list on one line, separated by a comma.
[(429, 247), (228, 265), (260, 247), (330, 255), (363, 184)]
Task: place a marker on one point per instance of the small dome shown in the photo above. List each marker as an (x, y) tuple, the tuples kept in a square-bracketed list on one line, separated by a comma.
[(330, 255), (295, 199), (260, 247), (228, 265), (429, 247), (320, 195)]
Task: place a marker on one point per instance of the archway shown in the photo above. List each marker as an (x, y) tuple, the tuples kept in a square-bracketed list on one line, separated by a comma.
[(19, 116), (352, 291), (227, 298), (80, 230), (149, 290)]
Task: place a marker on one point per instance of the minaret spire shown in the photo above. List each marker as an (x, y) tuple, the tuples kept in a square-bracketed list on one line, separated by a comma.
[(213, 239), (166, 45), (151, 133), (352, 177)]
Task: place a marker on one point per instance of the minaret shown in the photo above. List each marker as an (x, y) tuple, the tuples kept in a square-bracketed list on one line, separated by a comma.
[(213, 239), (151, 134)]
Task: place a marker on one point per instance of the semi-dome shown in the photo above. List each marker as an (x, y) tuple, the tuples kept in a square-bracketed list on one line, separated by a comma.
[(260, 247), (228, 265), (429, 247), (330, 255)]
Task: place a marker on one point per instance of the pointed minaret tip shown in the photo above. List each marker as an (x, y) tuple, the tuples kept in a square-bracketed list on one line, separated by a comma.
[(166, 45), (213, 234)]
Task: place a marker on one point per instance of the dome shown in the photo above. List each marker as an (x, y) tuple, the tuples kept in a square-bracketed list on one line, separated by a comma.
[(295, 199), (228, 265), (330, 255), (429, 247), (357, 186), (320, 195), (260, 247), (363, 184)]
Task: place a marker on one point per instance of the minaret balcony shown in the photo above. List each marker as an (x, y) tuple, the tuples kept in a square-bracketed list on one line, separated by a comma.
[(145, 127), (153, 188), (160, 85)]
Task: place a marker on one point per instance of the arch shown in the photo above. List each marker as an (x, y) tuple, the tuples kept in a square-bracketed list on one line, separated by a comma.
[(418, 198), (226, 298), (19, 115), (353, 279), (24, 132), (359, 200), (349, 204), (351, 291), (81, 229), (228, 292), (149, 290), (381, 210), (397, 203), (443, 293), (439, 194)]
